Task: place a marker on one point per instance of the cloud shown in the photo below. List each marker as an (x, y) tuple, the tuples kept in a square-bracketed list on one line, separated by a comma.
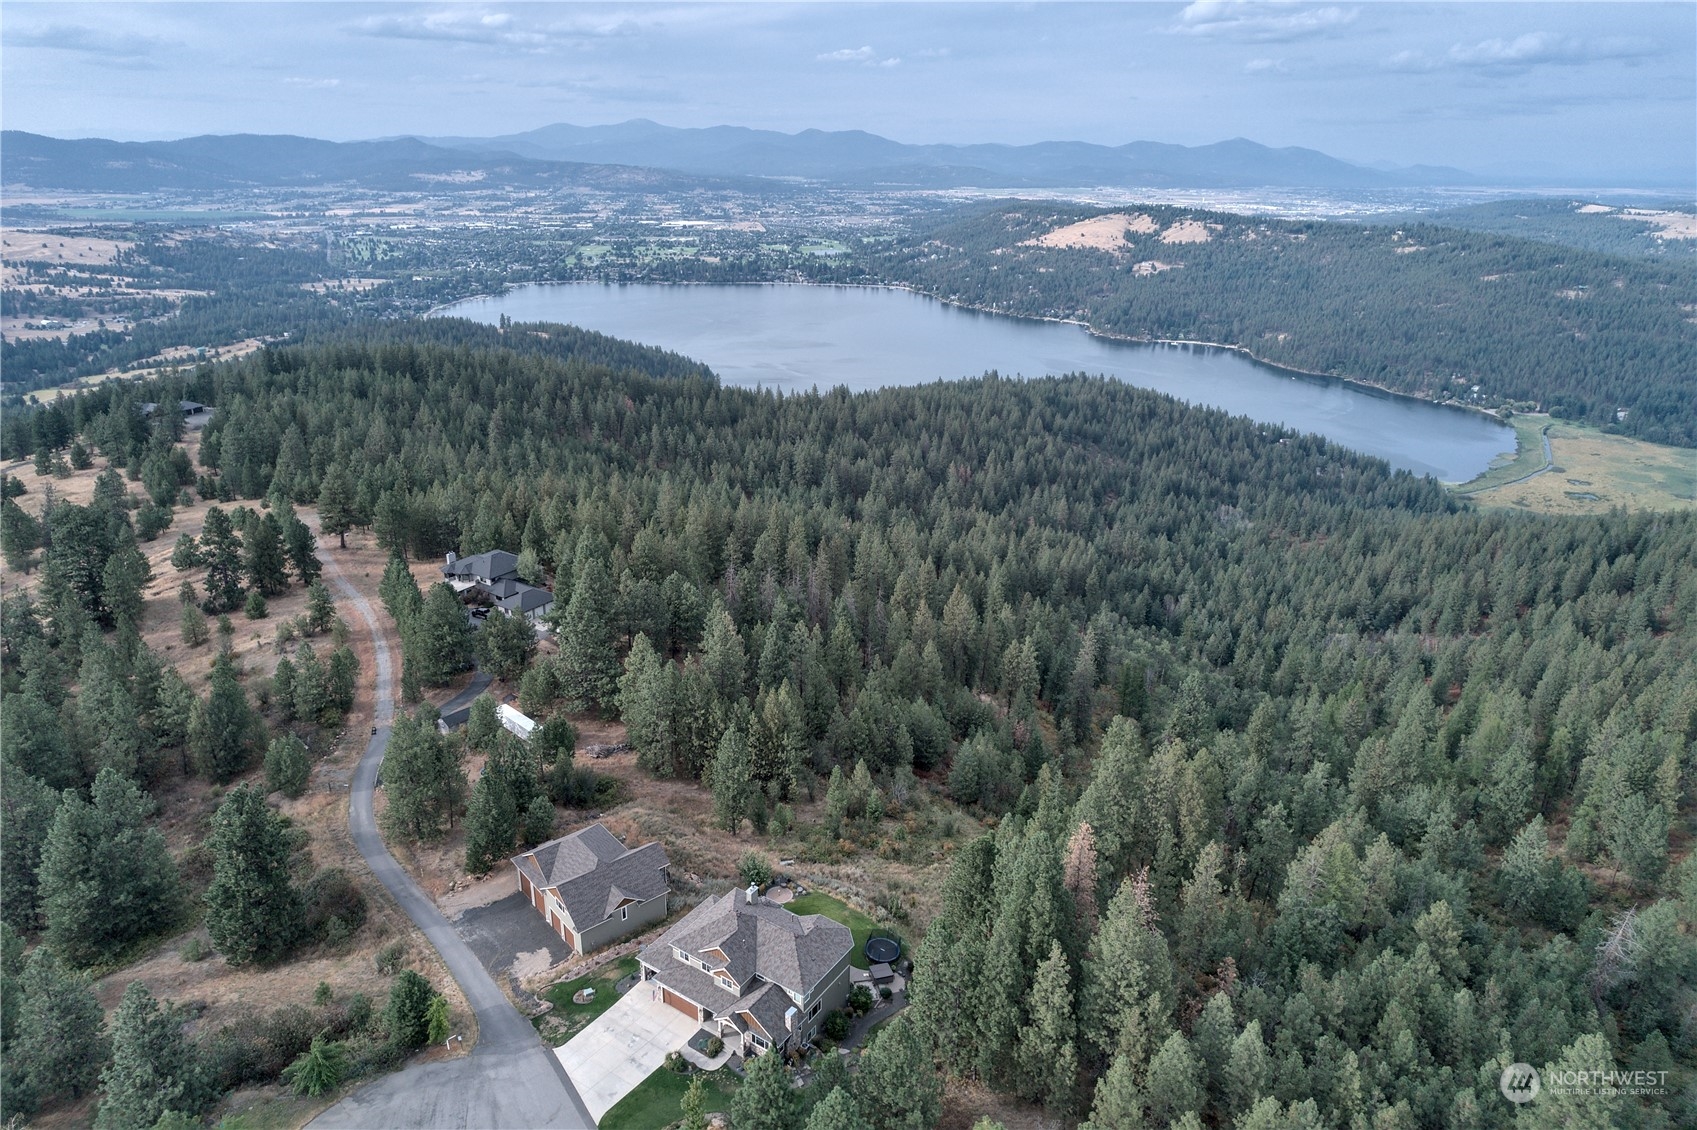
[(1533, 49), (453, 25), (1265, 66), (1271, 22), (865, 56), (312, 83), (86, 40)]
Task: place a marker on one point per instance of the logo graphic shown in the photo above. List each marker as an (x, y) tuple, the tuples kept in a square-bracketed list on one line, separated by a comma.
[(1519, 1083)]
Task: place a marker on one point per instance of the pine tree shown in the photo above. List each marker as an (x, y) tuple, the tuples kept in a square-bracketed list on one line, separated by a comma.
[(489, 824), (422, 780), (106, 711), (1248, 1072), (173, 711), (837, 1111), (694, 1104), (436, 1020), (439, 638), (194, 629), (1117, 1103), (341, 682), (226, 731), (731, 780), (506, 645), (539, 820), (106, 877), (407, 1016), (897, 1087), (20, 535), (125, 575), (287, 768), (32, 738), (153, 1068), (253, 911), (318, 1070), (1171, 1082), (588, 665), (399, 591), (640, 699), (27, 809), (320, 608), (1048, 1044), (1079, 876), (300, 547), (222, 550), (60, 1045), (308, 682), (766, 1101), (336, 504)]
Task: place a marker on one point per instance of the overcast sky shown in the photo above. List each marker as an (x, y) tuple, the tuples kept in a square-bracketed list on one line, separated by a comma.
[(1584, 90)]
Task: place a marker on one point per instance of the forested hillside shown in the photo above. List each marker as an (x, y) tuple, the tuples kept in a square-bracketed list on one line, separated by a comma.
[(1307, 796), (1425, 310)]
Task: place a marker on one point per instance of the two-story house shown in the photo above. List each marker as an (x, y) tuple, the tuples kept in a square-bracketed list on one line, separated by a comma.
[(592, 889), (492, 579), (761, 976)]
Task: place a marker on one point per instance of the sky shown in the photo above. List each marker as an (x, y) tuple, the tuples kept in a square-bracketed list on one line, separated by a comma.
[(1594, 93)]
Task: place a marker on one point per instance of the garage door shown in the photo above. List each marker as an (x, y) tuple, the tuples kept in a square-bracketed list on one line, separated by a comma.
[(677, 1002)]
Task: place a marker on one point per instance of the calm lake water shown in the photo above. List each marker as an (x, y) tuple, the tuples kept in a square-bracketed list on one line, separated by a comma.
[(801, 337)]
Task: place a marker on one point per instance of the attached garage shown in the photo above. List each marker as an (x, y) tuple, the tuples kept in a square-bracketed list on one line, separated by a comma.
[(679, 1003)]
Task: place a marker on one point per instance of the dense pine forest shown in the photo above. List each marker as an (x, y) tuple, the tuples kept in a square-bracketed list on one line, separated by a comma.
[(1288, 791), (1418, 308)]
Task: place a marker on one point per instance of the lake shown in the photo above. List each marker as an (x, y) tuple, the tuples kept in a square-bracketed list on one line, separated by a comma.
[(797, 337)]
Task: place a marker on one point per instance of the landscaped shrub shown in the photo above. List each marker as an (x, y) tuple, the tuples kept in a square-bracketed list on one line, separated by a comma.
[(714, 1046), (755, 868), (407, 1019), (860, 1000), (837, 1025)]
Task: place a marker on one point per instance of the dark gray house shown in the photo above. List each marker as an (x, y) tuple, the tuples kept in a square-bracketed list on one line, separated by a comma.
[(492, 579)]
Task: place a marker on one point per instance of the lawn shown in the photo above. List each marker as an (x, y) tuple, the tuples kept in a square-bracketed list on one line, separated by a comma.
[(657, 1101), (568, 1019), (835, 910)]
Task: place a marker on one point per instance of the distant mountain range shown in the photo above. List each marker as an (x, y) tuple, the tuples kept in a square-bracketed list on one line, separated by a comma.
[(858, 158), (644, 156), (236, 161)]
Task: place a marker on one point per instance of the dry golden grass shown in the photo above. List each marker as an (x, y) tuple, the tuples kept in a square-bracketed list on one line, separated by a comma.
[(44, 247), (1099, 233), (1595, 472), (965, 1102), (1188, 231)]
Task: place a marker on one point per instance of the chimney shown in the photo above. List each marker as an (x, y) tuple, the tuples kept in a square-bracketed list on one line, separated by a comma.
[(452, 557), (753, 892), (789, 1019)]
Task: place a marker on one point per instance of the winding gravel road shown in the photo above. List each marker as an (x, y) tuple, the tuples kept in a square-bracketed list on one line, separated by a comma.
[(510, 1081)]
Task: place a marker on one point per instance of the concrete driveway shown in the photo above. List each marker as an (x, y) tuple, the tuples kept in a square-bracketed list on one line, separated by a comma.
[(622, 1047)]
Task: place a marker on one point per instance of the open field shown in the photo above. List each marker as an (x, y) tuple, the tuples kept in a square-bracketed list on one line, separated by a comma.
[(45, 247), (1594, 472)]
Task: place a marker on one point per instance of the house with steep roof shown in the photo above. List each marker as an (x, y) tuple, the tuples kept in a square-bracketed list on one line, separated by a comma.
[(761, 976), (591, 889), (492, 579)]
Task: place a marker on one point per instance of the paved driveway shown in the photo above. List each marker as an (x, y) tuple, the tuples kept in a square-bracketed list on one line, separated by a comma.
[(622, 1047)]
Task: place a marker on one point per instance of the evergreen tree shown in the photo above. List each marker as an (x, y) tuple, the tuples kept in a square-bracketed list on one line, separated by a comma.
[(106, 877), (106, 712), (731, 780), (172, 715), (27, 809), (222, 550), (264, 559), (436, 1020), (399, 591), (33, 740), (226, 731), (320, 608), (422, 780), (589, 666), (490, 821), (506, 645), (837, 1111), (126, 574), (309, 686), (439, 638), (407, 1016), (318, 1070), (539, 820), (20, 536), (300, 547), (253, 911), (766, 1101), (1118, 1103), (336, 504), (640, 700), (1172, 1086), (255, 607), (153, 1069), (897, 1087), (1248, 1072), (1048, 1044), (194, 629), (287, 768), (694, 1104), (185, 554), (60, 1044)]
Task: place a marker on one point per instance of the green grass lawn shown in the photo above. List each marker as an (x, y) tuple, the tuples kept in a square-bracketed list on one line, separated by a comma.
[(657, 1101), (837, 911), (1527, 456), (568, 1019)]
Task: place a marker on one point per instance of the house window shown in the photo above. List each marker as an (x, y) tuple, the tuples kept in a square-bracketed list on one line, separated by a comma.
[(759, 1041), (814, 1011), (624, 913), (726, 981)]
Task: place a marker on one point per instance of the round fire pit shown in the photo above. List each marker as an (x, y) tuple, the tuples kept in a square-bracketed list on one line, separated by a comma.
[(882, 951)]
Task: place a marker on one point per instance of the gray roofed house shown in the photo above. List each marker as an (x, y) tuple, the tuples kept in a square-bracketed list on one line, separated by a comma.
[(762, 975), (592, 889), (492, 578)]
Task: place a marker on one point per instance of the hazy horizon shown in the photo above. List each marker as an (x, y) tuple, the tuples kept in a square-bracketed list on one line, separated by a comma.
[(1592, 92)]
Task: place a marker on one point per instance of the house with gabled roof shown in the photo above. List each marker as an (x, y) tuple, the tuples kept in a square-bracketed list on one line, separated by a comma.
[(492, 579), (761, 976), (591, 889)]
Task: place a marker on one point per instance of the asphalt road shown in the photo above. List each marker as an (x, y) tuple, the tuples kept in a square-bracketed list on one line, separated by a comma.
[(510, 1080)]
